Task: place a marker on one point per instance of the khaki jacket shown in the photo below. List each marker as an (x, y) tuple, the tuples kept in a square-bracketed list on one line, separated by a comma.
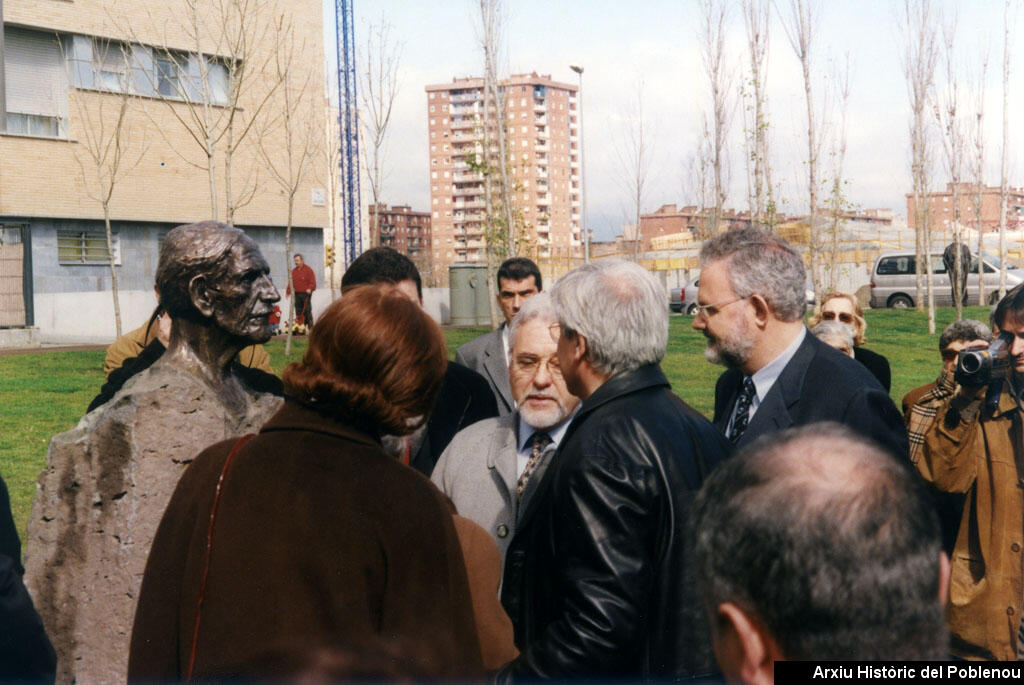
[(979, 455), (132, 343)]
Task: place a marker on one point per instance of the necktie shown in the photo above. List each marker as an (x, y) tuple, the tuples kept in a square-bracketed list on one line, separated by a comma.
[(538, 443), (739, 422)]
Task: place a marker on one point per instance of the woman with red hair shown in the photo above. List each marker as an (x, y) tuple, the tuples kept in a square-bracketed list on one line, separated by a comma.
[(308, 533)]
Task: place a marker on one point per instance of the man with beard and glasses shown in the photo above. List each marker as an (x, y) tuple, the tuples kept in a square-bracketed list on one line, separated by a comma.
[(491, 469), (751, 305)]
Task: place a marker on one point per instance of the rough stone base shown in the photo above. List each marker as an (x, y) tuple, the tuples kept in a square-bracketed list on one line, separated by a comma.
[(98, 504)]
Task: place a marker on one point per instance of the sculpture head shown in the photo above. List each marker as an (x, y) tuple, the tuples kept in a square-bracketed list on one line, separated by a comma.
[(214, 274)]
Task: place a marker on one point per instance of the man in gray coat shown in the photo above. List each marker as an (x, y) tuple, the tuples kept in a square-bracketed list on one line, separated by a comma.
[(518, 279), (491, 468)]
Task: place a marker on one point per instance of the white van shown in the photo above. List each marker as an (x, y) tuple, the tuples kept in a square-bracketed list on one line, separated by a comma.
[(894, 283)]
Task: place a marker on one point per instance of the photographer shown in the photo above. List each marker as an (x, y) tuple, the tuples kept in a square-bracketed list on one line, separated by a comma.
[(975, 447)]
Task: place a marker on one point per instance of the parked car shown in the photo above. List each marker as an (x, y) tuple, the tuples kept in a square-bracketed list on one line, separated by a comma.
[(894, 280), (685, 299)]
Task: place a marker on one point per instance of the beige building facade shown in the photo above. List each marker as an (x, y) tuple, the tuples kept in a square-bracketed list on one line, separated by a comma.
[(543, 151), (202, 137)]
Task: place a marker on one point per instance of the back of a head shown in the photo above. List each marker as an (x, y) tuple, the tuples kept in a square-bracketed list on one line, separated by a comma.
[(199, 249), (620, 308), (829, 542), (761, 263), (381, 265), (518, 268), (375, 358)]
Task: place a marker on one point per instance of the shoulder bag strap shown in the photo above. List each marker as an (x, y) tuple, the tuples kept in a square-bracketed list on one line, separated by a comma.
[(209, 548)]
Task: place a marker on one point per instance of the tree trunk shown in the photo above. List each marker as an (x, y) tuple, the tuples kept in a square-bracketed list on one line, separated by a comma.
[(113, 270)]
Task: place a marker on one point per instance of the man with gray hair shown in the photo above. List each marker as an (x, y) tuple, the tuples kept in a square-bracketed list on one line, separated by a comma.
[(812, 544), (597, 578), (490, 469), (751, 304)]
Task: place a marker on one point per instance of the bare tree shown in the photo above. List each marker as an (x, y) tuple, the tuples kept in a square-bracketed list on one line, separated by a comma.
[(978, 168), (756, 19), (332, 168), (946, 107), (633, 155), (288, 145), (108, 146), (1006, 143), (919, 58), (838, 204), (378, 90), (215, 92), (712, 46), (801, 26), (500, 215)]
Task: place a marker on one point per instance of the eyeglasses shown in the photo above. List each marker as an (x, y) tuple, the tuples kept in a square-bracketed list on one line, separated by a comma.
[(949, 355), (709, 310), (845, 317), (529, 365)]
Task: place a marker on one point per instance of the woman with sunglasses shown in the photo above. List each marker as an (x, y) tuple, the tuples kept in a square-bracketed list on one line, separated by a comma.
[(844, 308)]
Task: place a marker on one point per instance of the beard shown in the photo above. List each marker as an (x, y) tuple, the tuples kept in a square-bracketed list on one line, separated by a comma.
[(732, 350), (543, 419)]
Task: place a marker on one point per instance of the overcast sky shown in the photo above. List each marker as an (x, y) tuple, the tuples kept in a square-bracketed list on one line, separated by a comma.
[(654, 42)]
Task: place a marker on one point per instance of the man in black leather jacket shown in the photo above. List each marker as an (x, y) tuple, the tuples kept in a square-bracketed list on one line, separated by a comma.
[(598, 581)]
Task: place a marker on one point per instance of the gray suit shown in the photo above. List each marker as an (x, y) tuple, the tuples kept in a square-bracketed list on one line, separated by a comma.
[(478, 471), (486, 356)]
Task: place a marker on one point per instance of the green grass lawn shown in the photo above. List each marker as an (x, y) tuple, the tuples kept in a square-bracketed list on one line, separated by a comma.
[(47, 392)]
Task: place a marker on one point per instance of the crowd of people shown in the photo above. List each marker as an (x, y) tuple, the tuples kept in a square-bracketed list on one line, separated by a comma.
[(546, 507)]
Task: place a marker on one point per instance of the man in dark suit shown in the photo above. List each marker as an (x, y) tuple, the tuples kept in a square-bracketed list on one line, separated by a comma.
[(751, 305), (464, 398), (488, 355)]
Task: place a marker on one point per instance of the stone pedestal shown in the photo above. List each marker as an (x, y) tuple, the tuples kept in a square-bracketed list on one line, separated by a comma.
[(99, 502)]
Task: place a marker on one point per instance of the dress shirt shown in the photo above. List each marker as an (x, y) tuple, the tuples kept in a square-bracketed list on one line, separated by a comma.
[(525, 432), (765, 377)]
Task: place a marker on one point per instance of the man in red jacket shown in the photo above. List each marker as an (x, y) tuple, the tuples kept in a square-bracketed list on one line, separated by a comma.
[(304, 281)]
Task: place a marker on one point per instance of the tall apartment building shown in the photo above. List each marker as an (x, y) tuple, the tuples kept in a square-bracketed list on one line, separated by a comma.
[(543, 120), (940, 204), (67, 68), (402, 228)]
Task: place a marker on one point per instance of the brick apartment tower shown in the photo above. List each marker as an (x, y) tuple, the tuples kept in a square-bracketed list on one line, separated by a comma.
[(403, 229), (544, 150)]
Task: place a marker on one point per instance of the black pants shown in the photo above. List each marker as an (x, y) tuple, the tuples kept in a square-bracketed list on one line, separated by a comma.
[(304, 307)]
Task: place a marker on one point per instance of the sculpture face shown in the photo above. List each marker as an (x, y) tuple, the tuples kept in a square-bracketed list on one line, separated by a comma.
[(246, 295)]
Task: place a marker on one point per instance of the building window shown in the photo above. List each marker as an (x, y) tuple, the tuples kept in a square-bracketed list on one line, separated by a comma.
[(170, 74), (36, 84), (110, 64), (86, 247)]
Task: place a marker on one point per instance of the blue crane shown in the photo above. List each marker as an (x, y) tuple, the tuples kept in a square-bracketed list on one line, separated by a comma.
[(348, 127)]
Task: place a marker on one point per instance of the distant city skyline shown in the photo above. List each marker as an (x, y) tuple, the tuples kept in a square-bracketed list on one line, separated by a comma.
[(621, 44)]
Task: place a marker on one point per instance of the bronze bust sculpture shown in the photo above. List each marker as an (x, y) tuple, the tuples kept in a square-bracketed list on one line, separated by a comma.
[(108, 480)]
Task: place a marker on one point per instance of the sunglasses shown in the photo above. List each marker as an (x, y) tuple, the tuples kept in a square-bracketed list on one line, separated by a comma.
[(845, 317)]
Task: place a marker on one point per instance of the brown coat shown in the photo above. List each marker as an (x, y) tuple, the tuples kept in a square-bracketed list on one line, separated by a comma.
[(320, 538), (980, 457)]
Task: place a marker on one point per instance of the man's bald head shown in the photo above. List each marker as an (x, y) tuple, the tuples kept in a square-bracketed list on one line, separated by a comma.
[(828, 542)]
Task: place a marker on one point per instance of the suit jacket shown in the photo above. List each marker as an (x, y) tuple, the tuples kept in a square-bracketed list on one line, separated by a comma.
[(876, 364), (478, 471), (463, 400), (486, 356), (818, 384)]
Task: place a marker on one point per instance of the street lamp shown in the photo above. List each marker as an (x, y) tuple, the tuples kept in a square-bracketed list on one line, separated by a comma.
[(583, 179)]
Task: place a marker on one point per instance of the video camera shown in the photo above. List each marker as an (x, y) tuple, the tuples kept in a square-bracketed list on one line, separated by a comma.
[(975, 368)]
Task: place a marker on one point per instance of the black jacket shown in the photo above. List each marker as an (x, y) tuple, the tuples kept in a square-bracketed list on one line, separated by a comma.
[(597, 578), (876, 364), (464, 399), (819, 383)]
